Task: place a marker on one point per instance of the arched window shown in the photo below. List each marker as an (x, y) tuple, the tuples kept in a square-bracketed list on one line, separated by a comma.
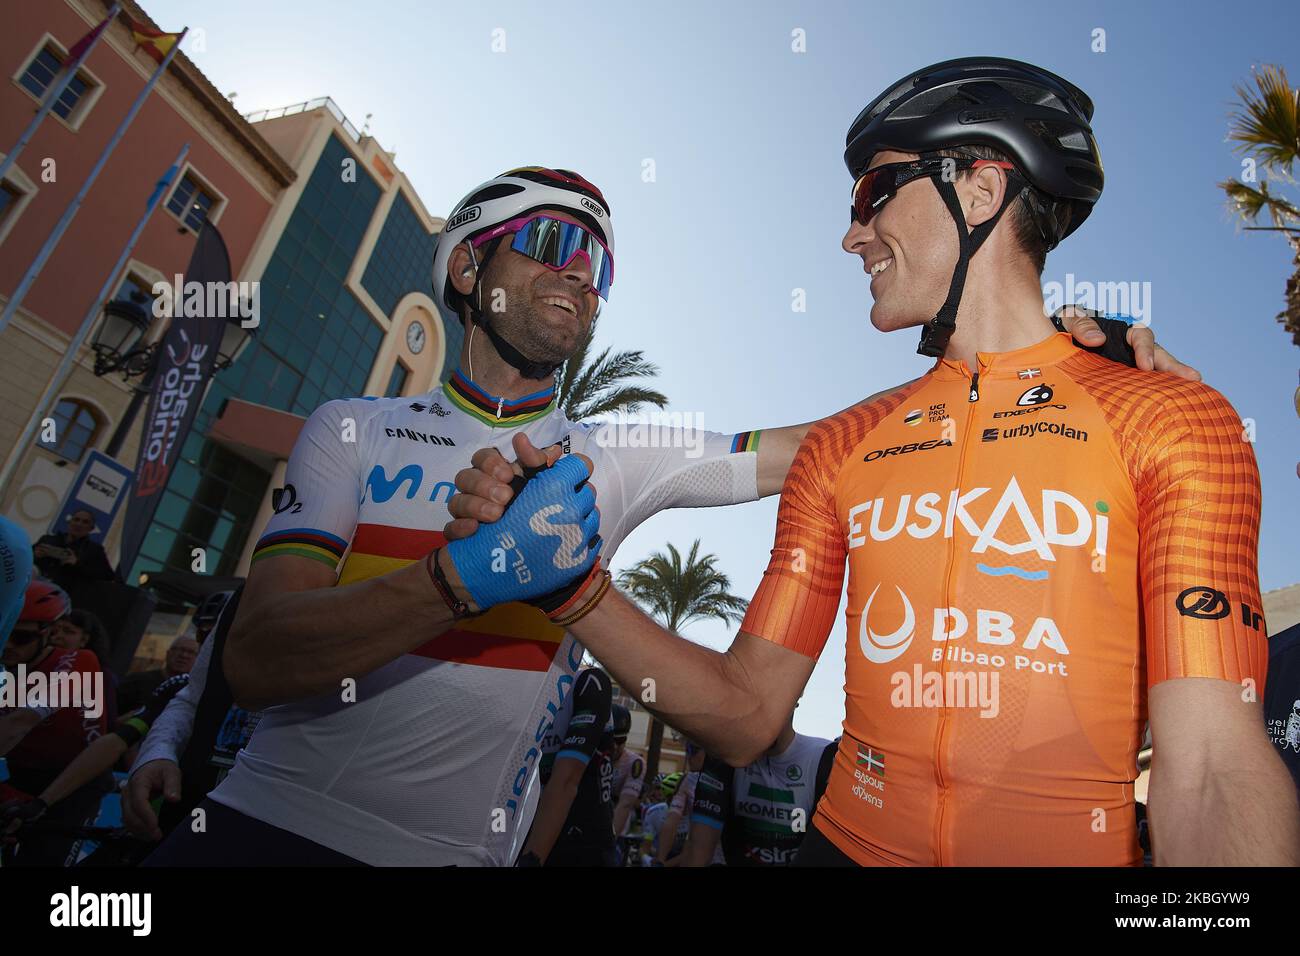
[(75, 427)]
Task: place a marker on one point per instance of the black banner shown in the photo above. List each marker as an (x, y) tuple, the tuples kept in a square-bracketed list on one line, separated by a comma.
[(184, 365)]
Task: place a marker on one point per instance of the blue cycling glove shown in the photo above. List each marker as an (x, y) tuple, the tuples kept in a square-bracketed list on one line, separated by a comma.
[(544, 543)]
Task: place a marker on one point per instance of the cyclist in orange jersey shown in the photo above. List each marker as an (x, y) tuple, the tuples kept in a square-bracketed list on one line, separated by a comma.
[(1044, 550)]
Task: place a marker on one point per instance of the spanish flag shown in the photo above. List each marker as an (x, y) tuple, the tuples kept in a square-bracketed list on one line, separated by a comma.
[(154, 42)]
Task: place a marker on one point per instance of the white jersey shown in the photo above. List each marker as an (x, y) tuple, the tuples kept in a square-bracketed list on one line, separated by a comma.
[(629, 774), (774, 798), (441, 745)]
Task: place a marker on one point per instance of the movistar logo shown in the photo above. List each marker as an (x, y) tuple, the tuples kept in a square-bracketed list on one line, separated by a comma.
[(883, 648), (381, 488), (567, 554)]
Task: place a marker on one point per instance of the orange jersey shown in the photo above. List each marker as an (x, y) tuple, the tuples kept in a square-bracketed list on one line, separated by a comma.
[(1029, 550)]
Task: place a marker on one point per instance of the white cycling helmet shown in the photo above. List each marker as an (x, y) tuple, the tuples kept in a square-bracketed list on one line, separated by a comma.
[(510, 196)]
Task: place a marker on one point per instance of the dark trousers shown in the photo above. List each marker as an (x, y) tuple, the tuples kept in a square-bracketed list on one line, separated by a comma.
[(231, 838)]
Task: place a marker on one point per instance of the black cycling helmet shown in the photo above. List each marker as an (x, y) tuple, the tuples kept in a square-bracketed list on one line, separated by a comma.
[(1039, 120), (622, 721)]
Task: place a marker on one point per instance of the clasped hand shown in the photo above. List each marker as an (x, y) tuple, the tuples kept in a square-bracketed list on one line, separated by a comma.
[(530, 533)]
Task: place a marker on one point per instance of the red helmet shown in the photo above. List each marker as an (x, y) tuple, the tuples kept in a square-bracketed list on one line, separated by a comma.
[(45, 603)]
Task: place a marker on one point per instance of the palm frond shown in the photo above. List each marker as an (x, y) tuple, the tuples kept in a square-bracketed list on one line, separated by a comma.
[(1248, 202), (680, 591), (600, 386), (1268, 122)]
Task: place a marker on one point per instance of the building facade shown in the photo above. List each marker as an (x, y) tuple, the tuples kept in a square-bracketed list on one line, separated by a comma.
[(344, 276), (312, 211), (232, 177)]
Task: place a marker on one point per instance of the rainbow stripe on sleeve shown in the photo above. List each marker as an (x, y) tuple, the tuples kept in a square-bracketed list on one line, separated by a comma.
[(303, 542), (745, 441)]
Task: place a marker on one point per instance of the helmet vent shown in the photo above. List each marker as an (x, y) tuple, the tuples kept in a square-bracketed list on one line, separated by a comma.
[(495, 191)]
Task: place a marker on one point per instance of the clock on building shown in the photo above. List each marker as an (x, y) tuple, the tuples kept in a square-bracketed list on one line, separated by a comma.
[(415, 336)]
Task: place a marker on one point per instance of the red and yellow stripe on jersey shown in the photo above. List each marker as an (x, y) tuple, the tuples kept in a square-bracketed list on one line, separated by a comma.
[(514, 636)]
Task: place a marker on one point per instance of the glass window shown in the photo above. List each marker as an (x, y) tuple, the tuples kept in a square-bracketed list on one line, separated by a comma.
[(41, 73), (299, 362), (9, 196), (397, 381), (75, 429), (191, 202)]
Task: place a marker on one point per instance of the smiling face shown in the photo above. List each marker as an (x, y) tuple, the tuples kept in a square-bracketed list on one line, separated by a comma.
[(544, 312), (909, 249)]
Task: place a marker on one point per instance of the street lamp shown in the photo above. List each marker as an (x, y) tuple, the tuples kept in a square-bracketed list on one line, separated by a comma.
[(117, 348), (125, 324)]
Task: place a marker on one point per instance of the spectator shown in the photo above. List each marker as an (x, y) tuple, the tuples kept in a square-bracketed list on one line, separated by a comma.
[(84, 631), (71, 559), (1282, 697), (135, 688), (41, 738)]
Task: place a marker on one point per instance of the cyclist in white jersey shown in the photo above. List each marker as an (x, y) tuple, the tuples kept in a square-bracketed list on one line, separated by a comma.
[(397, 731), (758, 814), (393, 733), (629, 771)]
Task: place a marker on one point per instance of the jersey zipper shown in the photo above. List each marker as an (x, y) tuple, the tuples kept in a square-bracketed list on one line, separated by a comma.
[(501, 402), (945, 713)]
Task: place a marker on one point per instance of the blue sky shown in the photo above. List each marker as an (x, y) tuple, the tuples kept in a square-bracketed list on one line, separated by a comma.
[(749, 196)]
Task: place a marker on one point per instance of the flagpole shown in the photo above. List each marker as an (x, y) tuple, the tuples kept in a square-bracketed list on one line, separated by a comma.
[(53, 94), (65, 220), (60, 375)]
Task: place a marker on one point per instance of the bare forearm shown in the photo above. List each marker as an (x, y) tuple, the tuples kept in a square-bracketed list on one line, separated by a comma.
[(301, 644), (100, 756), (1234, 816), (700, 692)]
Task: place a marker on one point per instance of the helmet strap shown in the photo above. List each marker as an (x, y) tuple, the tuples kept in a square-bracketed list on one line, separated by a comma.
[(937, 332), (526, 367)]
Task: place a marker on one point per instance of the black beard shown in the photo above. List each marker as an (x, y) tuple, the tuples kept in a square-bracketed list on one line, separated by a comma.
[(531, 336)]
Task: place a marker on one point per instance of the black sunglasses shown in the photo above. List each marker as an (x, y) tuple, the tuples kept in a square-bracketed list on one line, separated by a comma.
[(880, 184)]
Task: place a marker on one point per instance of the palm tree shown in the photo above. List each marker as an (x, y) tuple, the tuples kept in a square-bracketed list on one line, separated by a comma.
[(1267, 128), (678, 593), (597, 387)]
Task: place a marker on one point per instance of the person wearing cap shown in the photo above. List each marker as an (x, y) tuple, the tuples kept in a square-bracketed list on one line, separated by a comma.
[(40, 736)]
